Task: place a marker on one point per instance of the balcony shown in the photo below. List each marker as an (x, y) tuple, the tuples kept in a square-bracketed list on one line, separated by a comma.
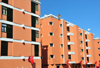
[(88, 55), (88, 47), (70, 43), (87, 40), (71, 53), (70, 34)]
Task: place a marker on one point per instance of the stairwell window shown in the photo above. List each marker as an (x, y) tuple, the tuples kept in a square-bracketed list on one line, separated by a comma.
[(86, 43), (68, 29), (61, 45), (51, 34), (80, 34), (4, 27), (51, 45), (62, 56), (68, 38), (50, 23), (69, 56), (87, 58), (4, 10), (69, 47), (51, 56), (86, 36)]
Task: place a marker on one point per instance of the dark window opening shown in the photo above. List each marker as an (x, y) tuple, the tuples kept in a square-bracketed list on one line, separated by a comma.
[(69, 47), (87, 51), (5, 1), (81, 50), (33, 35), (50, 23), (57, 66), (81, 41), (34, 21), (34, 7), (4, 10), (87, 58), (82, 58), (69, 56), (9, 29), (87, 44), (81, 34), (4, 48), (50, 34), (68, 29), (36, 50), (9, 14), (51, 56), (99, 54), (68, 38), (62, 56), (86, 36)]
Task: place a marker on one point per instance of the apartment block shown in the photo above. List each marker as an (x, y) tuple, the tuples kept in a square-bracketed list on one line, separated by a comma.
[(65, 45), (20, 33)]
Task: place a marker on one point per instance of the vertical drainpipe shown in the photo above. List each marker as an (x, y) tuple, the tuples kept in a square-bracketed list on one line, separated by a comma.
[(63, 41), (83, 46)]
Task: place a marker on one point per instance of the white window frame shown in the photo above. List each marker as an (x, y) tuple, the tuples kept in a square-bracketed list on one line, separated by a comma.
[(51, 43), (53, 57), (62, 55), (50, 21), (60, 46), (51, 32)]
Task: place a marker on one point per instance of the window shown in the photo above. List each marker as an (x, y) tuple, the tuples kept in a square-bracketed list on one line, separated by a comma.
[(86, 36), (36, 50), (87, 51), (81, 50), (69, 47), (61, 45), (98, 48), (4, 48), (41, 35), (87, 58), (33, 35), (69, 56), (68, 29), (86, 43), (33, 7), (50, 34), (5, 1), (60, 25), (81, 34), (57, 66), (4, 10), (82, 58), (50, 23), (51, 56), (68, 38), (40, 25), (60, 35), (99, 54), (62, 56), (98, 42), (37, 22), (37, 34), (51, 45), (4, 27), (81, 41), (36, 7)]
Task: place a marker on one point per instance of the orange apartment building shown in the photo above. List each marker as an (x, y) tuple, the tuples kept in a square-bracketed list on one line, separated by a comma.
[(64, 42), (20, 33)]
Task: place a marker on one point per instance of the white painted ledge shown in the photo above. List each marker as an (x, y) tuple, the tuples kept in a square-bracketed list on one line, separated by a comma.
[(12, 23), (12, 7), (88, 55), (89, 63), (88, 47), (20, 41), (35, 1), (70, 24), (70, 34), (15, 57), (87, 40), (71, 53), (70, 43), (72, 62), (86, 32)]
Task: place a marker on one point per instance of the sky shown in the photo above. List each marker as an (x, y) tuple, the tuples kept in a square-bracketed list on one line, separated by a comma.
[(84, 13)]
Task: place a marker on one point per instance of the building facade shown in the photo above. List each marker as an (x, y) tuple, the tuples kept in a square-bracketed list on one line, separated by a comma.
[(20, 33), (64, 42)]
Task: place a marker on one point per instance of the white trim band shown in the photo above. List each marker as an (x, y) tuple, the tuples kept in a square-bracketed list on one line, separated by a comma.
[(9, 6), (88, 47), (20, 41), (70, 34), (72, 62), (70, 43), (19, 57), (71, 53), (88, 55), (12, 23), (89, 63), (35, 1), (87, 40)]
